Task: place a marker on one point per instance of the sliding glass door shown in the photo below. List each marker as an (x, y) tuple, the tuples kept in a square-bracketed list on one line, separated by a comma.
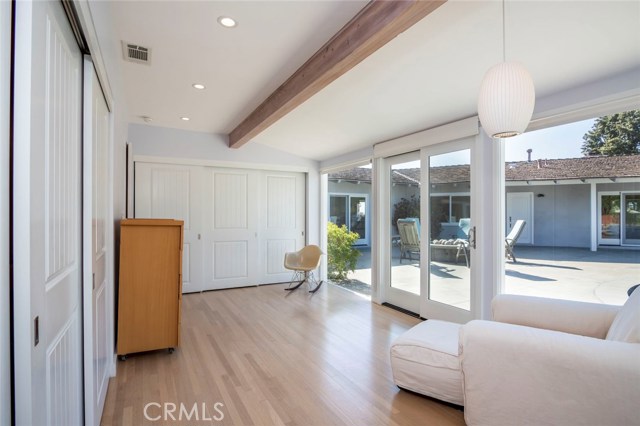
[(404, 231), (609, 218), (431, 231), (351, 210), (619, 218), (450, 234), (631, 219)]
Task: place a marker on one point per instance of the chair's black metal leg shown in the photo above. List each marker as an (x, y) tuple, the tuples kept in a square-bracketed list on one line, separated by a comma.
[(316, 288), (295, 286)]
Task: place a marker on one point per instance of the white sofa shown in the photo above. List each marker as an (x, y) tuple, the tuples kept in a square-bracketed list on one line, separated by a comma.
[(540, 362), (552, 362)]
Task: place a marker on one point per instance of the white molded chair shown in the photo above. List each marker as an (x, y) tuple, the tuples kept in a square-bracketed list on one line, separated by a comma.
[(303, 262)]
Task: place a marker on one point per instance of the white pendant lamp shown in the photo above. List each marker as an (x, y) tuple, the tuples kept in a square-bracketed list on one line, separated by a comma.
[(507, 97)]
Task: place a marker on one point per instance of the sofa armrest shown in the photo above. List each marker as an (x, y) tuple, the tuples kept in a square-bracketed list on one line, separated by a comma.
[(585, 319), (521, 375)]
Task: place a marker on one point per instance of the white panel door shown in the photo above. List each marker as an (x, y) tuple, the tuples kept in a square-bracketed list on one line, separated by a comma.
[(230, 228), (520, 206), (98, 347), (47, 212), (282, 222), (164, 191)]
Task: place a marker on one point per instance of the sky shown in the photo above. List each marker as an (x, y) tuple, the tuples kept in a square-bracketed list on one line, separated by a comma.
[(554, 142)]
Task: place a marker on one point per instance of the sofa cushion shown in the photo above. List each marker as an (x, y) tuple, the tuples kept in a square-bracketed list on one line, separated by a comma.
[(431, 342), (425, 359), (626, 325)]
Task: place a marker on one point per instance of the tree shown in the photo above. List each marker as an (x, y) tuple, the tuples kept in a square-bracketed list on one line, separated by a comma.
[(617, 134)]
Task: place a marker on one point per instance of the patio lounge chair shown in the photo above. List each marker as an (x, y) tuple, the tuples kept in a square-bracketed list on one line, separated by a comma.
[(465, 227), (409, 237), (512, 238)]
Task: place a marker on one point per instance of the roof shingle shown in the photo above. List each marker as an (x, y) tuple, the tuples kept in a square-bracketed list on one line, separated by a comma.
[(537, 170)]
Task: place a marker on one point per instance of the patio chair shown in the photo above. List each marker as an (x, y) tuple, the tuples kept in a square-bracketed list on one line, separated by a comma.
[(409, 237), (512, 239), (303, 262), (465, 227)]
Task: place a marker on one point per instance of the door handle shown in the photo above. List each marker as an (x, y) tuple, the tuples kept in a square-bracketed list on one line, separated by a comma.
[(472, 237)]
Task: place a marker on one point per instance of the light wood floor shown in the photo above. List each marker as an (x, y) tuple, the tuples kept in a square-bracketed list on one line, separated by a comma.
[(274, 359)]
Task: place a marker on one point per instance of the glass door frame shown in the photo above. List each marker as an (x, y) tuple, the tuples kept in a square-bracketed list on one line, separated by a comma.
[(397, 297), (609, 241), (623, 219), (429, 308)]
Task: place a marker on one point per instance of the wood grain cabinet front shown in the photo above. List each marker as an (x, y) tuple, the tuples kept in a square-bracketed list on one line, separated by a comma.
[(150, 290)]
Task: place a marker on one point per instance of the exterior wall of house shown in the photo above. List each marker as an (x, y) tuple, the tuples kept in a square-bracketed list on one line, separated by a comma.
[(623, 187), (349, 188), (403, 191), (562, 216)]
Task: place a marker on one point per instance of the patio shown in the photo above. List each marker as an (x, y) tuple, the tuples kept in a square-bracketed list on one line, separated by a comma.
[(563, 273)]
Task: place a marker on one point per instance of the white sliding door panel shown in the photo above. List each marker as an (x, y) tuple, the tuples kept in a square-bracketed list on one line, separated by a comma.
[(5, 331), (239, 223), (230, 228), (174, 192), (47, 211), (282, 222), (97, 316)]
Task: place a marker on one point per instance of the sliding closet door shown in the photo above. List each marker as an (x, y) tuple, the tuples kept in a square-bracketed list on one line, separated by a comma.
[(166, 191), (282, 222), (230, 228), (47, 212), (98, 305), (239, 222)]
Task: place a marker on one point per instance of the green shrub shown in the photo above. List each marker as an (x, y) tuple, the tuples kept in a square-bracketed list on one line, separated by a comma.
[(341, 256), (410, 207), (406, 207)]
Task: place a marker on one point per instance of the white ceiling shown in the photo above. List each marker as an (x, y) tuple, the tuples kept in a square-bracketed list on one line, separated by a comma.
[(427, 76)]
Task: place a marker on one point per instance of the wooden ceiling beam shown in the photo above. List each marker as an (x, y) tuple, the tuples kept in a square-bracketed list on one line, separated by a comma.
[(379, 22)]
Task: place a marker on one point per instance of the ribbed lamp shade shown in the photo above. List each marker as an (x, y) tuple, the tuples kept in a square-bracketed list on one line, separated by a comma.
[(506, 100)]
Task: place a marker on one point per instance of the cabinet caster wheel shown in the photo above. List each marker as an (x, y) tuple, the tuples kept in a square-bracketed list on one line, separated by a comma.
[(171, 350), (123, 357)]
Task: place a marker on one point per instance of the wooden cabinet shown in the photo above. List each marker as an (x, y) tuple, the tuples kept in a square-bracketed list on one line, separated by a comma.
[(150, 290)]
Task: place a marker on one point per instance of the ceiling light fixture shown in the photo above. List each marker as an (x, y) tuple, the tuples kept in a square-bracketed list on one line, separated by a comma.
[(227, 22), (146, 118), (198, 86), (185, 118), (507, 96)]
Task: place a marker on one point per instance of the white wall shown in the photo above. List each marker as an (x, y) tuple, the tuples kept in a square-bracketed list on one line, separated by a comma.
[(5, 347), (162, 142)]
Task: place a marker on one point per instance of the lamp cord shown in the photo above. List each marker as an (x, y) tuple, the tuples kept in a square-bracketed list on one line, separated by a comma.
[(504, 35)]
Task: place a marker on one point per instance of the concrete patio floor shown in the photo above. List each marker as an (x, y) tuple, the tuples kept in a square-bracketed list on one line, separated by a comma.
[(562, 273)]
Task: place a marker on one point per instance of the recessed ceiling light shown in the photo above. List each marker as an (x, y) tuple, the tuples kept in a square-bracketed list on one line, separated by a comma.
[(185, 118), (198, 86), (227, 22)]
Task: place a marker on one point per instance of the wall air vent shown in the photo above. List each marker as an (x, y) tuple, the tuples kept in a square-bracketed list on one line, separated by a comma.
[(134, 53)]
